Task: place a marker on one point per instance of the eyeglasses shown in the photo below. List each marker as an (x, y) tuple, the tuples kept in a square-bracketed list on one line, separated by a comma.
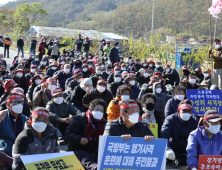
[(14, 102)]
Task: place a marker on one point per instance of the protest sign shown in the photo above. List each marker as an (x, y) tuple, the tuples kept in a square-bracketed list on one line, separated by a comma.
[(154, 129), (137, 154), (52, 161), (7, 42), (210, 162), (204, 100)]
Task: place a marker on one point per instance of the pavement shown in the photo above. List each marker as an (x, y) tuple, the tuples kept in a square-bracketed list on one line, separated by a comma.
[(63, 148)]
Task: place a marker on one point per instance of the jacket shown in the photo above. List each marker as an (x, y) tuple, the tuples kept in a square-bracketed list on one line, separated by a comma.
[(78, 43), (33, 43), (113, 109), (110, 79), (62, 79), (172, 75), (29, 76), (28, 143), (142, 80), (118, 128), (114, 55), (87, 74), (35, 62), (55, 50), (36, 89), (77, 95), (50, 72), (86, 45), (171, 106), (208, 80), (160, 69), (200, 144), (7, 130), (95, 78), (112, 88), (71, 86), (29, 94), (174, 127), (217, 61), (189, 87), (6, 45), (136, 67), (20, 43), (105, 75), (4, 96), (75, 132), (107, 49), (22, 82), (131, 68), (41, 99)]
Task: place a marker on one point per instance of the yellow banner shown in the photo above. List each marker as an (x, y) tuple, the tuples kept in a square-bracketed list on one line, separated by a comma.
[(69, 162), (154, 129)]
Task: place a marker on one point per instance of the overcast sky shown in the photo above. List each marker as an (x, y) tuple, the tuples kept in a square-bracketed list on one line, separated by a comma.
[(5, 1)]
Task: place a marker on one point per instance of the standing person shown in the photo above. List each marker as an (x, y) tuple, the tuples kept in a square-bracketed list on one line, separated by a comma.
[(102, 45), (217, 62), (79, 43), (50, 44), (41, 47), (114, 54), (86, 45), (20, 45), (55, 51), (33, 43), (107, 48), (6, 48)]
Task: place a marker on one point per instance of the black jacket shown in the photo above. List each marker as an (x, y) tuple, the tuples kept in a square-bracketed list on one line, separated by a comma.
[(105, 75), (71, 86), (75, 132), (208, 80), (95, 79), (4, 96), (87, 74), (77, 95), (28, 77), (188, 86), (22, 82), (200, 78), (173, 76), (79, 43), (20, 43), (50, 72), (86, 45), (113, 55), (7, 46), (118, 128), (142, 80), (112, 88), (110, 79)]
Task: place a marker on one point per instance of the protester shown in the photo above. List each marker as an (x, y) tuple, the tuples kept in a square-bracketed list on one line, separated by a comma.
[(185, 74), (55, 51), (114, 54), (36, 61), (9, 85), (171, 75), (107, 48), (20, 45), (31, 73), (105, 74), (190, 82), (42, 47), (207, 76), (151, 65), (86, 45), (199, 75), (102, 45), (52, 69), (21, 80), (114, 85), (110, 79), (6, 46), (33, 43), (97, 76), (144, 78)]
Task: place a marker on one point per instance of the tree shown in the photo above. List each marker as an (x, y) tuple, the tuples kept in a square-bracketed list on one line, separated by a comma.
[(29, 14)]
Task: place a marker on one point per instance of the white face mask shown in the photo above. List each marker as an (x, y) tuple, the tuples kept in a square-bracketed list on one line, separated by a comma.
[(90, 66), (125, 97), (157, 66), (36, 59), (132, 82), (63, 62), (33, 56), (101, 89), (134, 118), (19, 75), (185, 116), (146, 75), (39, 126), (33, 70), (108, 72), (158, 90), (84, 69), (205, 74), (167, 70), (214, 129), (70, 62), (55, 44), (98, 72), (54, 68), (52, 87), (17, 108), (79, 80), (180, 97), (192, 81), (66, 70), (117, 47), (217, 46), (37, 81), (144, 65), (102, 66), (97, 115), (43, 41), (151, 65), (44, 62), (58, 100), (118, 79)]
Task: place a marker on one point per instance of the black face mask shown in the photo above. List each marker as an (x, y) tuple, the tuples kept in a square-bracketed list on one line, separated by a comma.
[(3, 73), (185, 71), (149, 106)]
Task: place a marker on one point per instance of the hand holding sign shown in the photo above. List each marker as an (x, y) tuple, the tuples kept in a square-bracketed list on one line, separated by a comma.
[(148, 138), (126, 137)]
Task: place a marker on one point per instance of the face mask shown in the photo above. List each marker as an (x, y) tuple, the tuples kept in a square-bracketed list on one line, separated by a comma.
[(55, 44), (125, 97), (102, 66), (134, 118), (101, 89), (90, 66), (138, 62), (217, 46), (67, 70), (158, 90), (97, 115), (62, 57), (192, 81), (98, 72), (132, 82), (44, 63), (214, 129), (0, 78), (185, 116), (117, 79), (167, 70), (70, 62), (206, 75), (52, 87), (144, 65), (43, 41), (117, 47), (79, 80), (37, 81), (36, 59), (121, 60), (146, 75), (54, 68), (108, 72), (151, 65), (157, 66), (17, 108), (63, 62), (180, 97), (16, 59), (124, 68), (33, 70), (33, 56), (39, 126), (84, 69), (149, 106), (19, 75), (58, 100)]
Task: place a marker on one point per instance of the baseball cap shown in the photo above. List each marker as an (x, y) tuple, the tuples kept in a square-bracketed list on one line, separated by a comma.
[(212, 116), (18, 90), (9, 83), (56, 91), (77, 73), (102, 81)]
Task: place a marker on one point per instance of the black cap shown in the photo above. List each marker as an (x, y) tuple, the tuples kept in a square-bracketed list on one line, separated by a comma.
[(212, 116)]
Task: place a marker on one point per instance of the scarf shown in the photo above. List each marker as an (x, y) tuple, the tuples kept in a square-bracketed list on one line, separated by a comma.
[(93, 127)]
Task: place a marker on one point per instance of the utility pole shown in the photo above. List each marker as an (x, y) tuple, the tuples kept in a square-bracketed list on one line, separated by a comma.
[(152, 18), (209, 4), (215, 28)]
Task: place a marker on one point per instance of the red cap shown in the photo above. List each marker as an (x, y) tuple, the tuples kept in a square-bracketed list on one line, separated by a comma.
[(56, 91), (185, 67), (18, 90), (158, 74), (9, 83)]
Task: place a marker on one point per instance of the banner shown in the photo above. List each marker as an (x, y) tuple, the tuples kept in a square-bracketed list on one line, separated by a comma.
[(52, 161), (137, 154), (7, 42), (207, 162), (154, 129), (204, 100)]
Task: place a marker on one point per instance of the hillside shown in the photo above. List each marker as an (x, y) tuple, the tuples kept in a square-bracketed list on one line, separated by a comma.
[(187, 18)]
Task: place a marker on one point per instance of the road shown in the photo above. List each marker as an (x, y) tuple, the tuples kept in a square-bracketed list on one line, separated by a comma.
[(63, 148)]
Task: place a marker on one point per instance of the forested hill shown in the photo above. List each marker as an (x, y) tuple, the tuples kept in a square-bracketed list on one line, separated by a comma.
[(188, 18)]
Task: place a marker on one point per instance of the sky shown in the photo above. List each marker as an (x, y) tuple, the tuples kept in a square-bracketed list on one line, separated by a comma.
[(5, 1)]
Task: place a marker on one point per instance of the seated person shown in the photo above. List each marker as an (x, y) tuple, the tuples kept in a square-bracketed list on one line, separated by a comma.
[(112, 87), (38, 137), (9, 85), (171, 75), (190, 83), (144, 78), (128, 124), (113, 108), (178, 127), (97, 76), (107, 72), (59, 112), (207, 76), (205, 140), (83, 133)]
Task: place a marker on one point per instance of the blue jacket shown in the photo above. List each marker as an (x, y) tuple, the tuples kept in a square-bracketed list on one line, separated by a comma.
[(35, 62), (113, 55), (7, 132), (200, 144), (62, 79), (33, 44), (178, 130), (171, 106)]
